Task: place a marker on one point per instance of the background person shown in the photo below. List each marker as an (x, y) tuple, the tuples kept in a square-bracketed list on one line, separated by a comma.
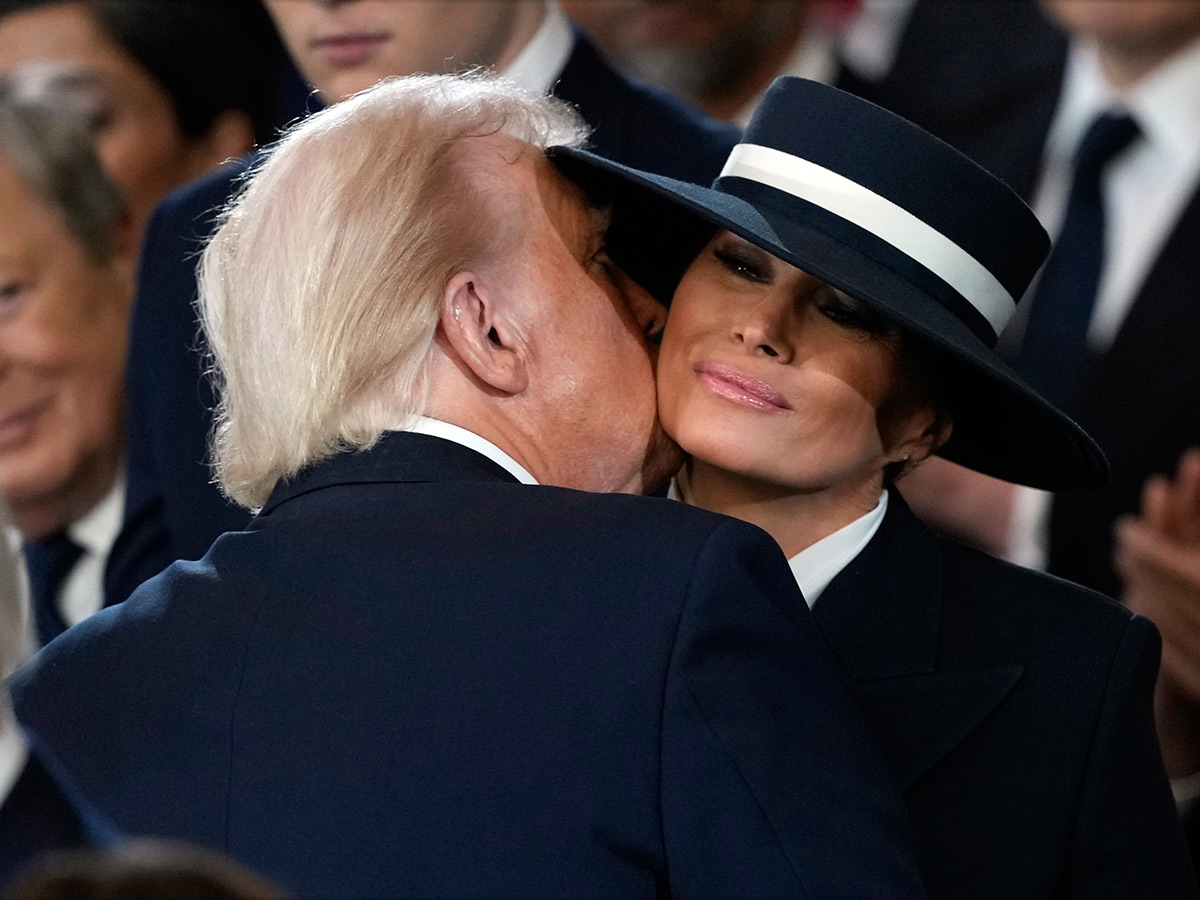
[(40, 810), (837, 330), (173, 89), (66, 282), (173, 510), (427, 668)]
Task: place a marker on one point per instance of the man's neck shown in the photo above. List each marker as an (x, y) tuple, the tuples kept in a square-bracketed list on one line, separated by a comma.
[(527, 18), (42, 516), (1123, 66)]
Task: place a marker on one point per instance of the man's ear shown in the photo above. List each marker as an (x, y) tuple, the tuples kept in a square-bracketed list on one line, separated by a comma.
[(474, 323)]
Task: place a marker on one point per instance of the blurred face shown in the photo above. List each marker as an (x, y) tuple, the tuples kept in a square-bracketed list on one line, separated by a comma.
[(770, 374), (693, 46), (62, 350), (1146, 29), (345, 47), (589, 359), (136, 134)]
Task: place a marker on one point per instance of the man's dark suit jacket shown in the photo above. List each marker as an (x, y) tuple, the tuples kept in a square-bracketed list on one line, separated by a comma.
[(414, 677), (44, 812), (172, 510), (984, 77), (1014, 711)]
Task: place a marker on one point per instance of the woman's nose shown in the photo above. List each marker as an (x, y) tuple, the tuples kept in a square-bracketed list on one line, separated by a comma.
[(762, 328)]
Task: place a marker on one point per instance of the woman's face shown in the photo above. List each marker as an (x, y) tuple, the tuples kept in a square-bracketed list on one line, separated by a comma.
[(768, 373), (137, 137)]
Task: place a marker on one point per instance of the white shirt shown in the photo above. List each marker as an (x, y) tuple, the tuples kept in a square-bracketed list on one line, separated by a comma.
[(817, 565), (470, 440), (13, 752), (867, 44), (1145, 190), (82, 594), (538, 66)]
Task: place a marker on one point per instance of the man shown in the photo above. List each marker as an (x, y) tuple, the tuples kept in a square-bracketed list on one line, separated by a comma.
[(982, 76), (172, 509), (419, 673), (1127, 378), (66, 268), (39, 809)]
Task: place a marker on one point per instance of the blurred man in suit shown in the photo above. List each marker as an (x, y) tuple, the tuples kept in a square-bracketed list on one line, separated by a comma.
[(172, 508), (428, 668), (39, 809)]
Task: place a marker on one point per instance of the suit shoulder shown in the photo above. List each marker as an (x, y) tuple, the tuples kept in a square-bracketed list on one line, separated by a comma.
[(1037, 599)]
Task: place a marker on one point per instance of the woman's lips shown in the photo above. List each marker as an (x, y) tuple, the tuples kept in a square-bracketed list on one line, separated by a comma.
[(732, 384), (351, 49)]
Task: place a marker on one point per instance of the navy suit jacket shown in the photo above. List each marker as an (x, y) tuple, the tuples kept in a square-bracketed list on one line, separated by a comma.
[(412, 676), (984, 77), (44, 812), (172, 510), (1014, 711)]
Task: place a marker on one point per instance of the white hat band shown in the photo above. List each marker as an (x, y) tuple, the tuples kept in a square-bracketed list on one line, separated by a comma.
[(881, 217)]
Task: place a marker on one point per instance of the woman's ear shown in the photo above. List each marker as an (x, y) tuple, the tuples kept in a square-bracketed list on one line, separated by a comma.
[(932, 428), (474, 323)]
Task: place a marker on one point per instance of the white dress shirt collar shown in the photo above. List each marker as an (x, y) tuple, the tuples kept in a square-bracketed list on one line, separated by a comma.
[(815, 566), (13, 752), (470, 440), (82, 593), (540, 64)]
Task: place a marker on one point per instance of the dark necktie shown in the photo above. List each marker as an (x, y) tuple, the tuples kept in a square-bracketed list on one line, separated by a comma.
[(49, 562), (1054, 349)]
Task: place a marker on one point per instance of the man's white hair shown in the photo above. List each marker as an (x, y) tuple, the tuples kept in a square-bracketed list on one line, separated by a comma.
[(320, 292)]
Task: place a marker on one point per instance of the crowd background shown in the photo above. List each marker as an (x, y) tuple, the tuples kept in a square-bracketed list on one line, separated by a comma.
[(1087, 108)]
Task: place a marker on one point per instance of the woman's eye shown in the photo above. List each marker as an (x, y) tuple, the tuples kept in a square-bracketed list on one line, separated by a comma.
[(740, 265), (841, 313)]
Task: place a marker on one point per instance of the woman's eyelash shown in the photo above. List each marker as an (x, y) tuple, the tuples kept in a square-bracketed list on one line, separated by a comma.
[(739, 265)]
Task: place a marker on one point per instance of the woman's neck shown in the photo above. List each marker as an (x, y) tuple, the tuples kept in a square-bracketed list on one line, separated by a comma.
[(796, 520)]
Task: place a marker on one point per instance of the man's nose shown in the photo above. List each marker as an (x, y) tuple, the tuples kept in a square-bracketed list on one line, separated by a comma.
[(762, 327)]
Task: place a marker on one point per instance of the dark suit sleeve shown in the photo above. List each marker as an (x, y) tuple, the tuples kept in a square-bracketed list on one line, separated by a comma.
[(1128, 841), (770, 783)]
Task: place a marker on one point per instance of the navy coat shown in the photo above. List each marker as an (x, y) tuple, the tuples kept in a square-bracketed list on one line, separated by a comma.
[(412, 676), (44, 812), (1014, 711), (173, 511)]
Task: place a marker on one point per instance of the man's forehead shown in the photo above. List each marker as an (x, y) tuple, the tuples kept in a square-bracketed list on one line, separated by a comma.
[(574, 215)]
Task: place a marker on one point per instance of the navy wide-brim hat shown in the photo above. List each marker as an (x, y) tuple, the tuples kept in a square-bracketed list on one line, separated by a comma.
[(880, 209)]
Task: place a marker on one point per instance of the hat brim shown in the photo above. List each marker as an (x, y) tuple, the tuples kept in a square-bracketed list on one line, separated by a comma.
[(1002, 427)]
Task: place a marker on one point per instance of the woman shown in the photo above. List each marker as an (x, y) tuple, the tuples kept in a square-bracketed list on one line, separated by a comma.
[(835, 331), (173, 88)]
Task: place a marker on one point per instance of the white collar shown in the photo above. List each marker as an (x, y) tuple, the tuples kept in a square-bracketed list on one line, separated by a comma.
[(1163, 102), (469, 439), (13, 751), (539, 65), (817, 565), (97, 531)]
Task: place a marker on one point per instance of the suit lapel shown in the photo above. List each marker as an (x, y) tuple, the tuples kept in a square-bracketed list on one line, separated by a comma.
[(881, 617)]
